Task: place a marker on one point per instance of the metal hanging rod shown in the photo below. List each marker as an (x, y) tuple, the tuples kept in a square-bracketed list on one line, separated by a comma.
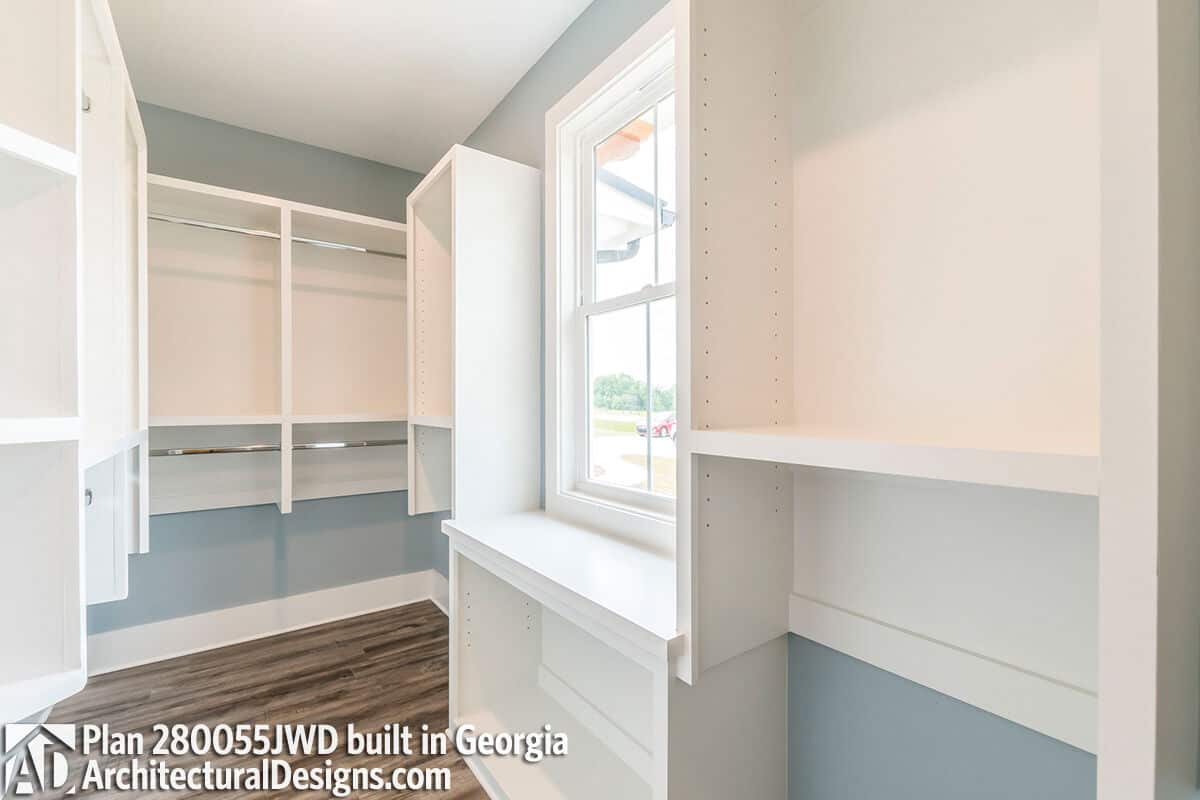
[(211, 451), (216, 226), (274, 448), (347, 445)]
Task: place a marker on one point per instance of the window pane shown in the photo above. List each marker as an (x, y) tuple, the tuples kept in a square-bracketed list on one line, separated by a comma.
[(624, 198), (666, 190), (617, 376), (662, 399)]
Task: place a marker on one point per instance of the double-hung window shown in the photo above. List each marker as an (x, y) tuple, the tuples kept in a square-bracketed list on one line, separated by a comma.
[(612, 215)]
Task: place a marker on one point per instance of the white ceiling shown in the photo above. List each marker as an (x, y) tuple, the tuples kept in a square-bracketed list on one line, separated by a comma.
[(396, 81)]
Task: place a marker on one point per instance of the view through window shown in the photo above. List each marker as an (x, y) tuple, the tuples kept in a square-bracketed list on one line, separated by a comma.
[(630, 305)]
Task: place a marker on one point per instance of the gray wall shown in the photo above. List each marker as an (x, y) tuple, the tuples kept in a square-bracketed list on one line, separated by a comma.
[(198, 149), (516, 128), (855, 731), (859, 732), (209, 560)]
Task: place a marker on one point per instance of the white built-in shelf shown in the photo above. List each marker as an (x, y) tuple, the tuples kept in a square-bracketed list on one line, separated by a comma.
[(213, 422), (346, 228), (15, 144), (432, 421), (1072, 473), (174, 197), (586, 575), (335, 419), (43, 429)]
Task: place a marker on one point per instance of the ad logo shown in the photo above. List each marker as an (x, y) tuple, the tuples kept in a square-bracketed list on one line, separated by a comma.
[(33, 758)]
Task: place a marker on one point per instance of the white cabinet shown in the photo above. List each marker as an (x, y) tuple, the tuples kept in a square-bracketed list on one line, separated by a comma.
[(473, 310), (554, 624)]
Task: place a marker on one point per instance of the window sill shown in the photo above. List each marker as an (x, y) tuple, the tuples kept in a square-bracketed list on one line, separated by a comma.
[(580, 572)]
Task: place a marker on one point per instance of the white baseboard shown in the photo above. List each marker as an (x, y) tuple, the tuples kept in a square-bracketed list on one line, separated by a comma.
[(1067, 713), (439, 591), (156, 641)]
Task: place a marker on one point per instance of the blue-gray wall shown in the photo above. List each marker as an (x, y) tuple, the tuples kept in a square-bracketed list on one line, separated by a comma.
[(209, 560), (516, 127), (856, 732), (198, 149)]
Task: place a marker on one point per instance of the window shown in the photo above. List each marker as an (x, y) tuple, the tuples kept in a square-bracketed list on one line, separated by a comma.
[(612, 215), (628, 305)]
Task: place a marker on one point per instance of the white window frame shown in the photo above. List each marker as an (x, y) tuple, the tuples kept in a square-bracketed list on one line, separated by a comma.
[(616, 91)]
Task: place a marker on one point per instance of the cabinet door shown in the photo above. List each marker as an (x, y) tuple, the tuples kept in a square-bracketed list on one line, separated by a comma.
[(112, 180), (109, 182), (106, 519)]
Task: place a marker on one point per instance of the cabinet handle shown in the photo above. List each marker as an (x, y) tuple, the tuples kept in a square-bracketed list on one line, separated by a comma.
[(87, 497)]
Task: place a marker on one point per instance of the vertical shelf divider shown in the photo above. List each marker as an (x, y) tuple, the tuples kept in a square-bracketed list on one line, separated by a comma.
[(285, 367)]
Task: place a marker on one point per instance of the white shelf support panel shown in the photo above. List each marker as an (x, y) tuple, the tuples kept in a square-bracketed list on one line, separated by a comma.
[(287, 362), (473, 369), (1051, 472)]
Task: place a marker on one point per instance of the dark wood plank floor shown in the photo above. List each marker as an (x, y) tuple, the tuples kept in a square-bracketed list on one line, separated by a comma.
[(388, 667)]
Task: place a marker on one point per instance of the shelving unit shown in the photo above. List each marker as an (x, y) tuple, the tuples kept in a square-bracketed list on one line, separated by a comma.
[(901, 225), (895, 388), (527, 651), (41, 339), (302, 328), (1073, 473), (473, 372), (512, 655)]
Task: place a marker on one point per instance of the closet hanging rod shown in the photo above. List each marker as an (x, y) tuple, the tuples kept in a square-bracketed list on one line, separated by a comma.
[(351, 247), (347, 445), (216, 226), (210, 451)]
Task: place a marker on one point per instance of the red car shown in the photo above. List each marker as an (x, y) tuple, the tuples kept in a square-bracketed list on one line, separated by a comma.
[(664, 425)]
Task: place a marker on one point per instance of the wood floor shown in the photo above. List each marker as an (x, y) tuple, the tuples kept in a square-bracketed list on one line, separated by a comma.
[(388, 667)]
